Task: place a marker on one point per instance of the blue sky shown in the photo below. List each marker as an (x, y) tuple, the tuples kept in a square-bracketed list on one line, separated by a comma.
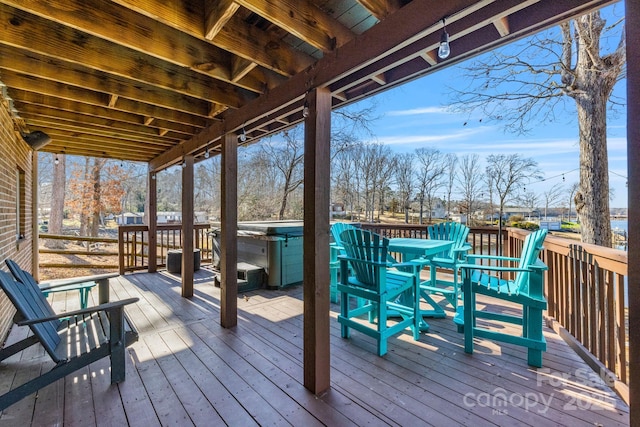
[(415, 115)]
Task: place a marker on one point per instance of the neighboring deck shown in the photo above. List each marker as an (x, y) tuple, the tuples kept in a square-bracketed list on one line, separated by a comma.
[(186, 369)]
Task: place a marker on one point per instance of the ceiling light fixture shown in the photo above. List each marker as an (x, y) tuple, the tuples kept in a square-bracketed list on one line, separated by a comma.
[(206, 153), (56, 161), (243, 135), (444, 51)]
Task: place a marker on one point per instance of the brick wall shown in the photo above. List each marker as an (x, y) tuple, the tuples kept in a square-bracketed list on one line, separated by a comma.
[(16, 154)]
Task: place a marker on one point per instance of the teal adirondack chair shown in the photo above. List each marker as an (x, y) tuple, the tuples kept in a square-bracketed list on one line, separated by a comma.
[(336, 249), (379, 285), (450, 259), (526, 290)]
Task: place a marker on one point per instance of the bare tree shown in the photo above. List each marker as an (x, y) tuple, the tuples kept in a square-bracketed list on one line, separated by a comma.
[(451, 164), (376, 166), (572, 191), (405, 182), (508, 173), (286, 157), (535, 77), (431, 170), (552, 196), (56, 213), (529, 200), (469, 183)]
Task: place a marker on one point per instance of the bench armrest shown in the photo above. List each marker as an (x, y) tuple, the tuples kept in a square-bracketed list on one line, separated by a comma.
[(102, 307)]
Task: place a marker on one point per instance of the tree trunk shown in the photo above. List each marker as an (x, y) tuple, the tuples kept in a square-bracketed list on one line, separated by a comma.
[(97, 190), (56, 214), (592, 199), (593, 84)]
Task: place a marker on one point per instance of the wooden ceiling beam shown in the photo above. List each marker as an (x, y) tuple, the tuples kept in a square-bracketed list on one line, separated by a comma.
[(38, 112), (381, 8), (304, 20), (216, 16), (14, 60), (244, 40), (82, 149), (78, 94), (124, 146), (129, 29), (33, 33), (127, 138), (33, 102)]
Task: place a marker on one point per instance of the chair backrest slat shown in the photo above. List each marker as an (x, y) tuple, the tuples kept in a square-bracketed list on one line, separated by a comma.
[(367, 246), (453, 231), (27, 279), (530, 252), (30, 304)]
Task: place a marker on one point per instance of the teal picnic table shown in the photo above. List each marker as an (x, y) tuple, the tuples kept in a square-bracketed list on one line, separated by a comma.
[(420, 252)]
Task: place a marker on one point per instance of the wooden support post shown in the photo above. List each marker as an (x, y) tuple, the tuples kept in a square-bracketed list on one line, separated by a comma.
[(152, 220), (229, 233), (187, 226), (317, 150), (35, 259), (632, 28)]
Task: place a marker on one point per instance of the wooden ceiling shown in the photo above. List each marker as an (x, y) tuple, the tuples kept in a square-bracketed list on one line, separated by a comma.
[(154, 80)]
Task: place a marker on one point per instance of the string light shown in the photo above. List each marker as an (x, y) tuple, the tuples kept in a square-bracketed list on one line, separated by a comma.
[(243, 135), (206, 153), (56, 161), (444, 50)]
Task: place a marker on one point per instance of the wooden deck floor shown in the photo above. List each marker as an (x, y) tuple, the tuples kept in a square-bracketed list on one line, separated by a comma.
[(187, 370)]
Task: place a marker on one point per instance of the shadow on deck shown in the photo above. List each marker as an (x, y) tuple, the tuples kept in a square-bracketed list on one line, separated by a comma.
[(187, 370)]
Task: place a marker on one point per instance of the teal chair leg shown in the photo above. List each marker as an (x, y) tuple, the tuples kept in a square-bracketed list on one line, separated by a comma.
[(469, 322), (534, 332), (344, 311)]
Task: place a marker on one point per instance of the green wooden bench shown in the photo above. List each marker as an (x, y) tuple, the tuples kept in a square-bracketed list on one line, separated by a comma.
[(84, 337), (81, 284)]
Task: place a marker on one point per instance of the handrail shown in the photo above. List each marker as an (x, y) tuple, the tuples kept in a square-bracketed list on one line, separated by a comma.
[(585, 287), (133, 242)]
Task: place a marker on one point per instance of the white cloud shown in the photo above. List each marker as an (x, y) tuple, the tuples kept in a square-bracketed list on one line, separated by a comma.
[(418, 111)]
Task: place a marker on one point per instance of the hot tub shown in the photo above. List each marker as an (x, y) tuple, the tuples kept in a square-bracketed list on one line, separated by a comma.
[(275, 246)]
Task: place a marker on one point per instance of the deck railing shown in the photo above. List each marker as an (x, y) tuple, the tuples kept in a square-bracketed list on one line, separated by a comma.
[(585, 284), (586, 289), (133, 243)]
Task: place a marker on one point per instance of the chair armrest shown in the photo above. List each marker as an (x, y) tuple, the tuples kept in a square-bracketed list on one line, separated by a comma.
[(492, 257), (362, 261), (492, 268), (102, 307)]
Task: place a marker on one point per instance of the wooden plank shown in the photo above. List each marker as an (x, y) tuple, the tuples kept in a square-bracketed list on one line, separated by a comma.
[(203, 375), (110, 410)]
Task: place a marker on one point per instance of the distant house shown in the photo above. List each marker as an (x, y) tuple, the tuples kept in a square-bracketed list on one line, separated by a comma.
[(336, 209), (129, 218), (171, 217)]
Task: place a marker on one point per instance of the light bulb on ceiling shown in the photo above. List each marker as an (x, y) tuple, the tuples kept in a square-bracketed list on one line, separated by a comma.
[(305, 109), (56, 161), (444, 51), (243, 135), (184, 164), (206, 153), (153, 176)]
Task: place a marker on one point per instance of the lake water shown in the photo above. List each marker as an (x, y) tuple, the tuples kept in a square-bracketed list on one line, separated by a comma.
[(621, 224)]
